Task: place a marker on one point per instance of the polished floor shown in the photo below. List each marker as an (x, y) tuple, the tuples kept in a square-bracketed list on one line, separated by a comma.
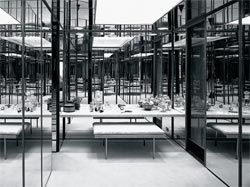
[(129, 164)]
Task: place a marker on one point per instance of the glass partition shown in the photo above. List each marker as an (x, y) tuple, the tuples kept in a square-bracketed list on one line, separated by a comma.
[(28, 149), (196, 140), (222, 95)]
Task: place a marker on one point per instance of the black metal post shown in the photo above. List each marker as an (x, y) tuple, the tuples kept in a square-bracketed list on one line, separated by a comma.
[(241, 70), (116, 75), (172, 62), (42, 83), (154, 75), (23, 17), (55, 74), (68, 64), (76, 44), (90, 40), (188, 74)]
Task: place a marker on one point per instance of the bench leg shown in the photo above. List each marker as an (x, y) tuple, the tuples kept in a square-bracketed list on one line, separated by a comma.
[(37, 123), (153, 148), (17, 141), (144, 142), (216, 136), (106, 148), (30, 129), (30, 122), (64, 129), (237, 149), (5, 151)]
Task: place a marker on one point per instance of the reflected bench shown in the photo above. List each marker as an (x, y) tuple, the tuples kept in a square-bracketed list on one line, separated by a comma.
[(123, 130), (230, 130), (11, 130), (119, 118)]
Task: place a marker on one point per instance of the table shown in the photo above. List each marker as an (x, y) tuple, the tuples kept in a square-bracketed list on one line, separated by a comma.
[(223, 113), (133, 111), (11, 113), (216, 112)]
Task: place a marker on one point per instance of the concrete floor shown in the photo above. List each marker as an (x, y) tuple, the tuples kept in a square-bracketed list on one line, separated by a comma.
[(82, 163)]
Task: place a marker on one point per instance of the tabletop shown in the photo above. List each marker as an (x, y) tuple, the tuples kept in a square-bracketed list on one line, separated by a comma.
[(128, 111)]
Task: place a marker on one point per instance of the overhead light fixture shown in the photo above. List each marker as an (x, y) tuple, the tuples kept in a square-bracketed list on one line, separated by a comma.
[(78, 28), (141, 55), (152, 34), (80, 35), (110, 42), (30, 41), (107, 55), (7, 19), (14, 55), (127, 12), (162, 28), (182, 43), (182, 34), (245, 21)]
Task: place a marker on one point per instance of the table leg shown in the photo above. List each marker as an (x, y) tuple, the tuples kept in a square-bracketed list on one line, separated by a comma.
[(153, 148), (64, 129), (237, 148), (172, 127), (31, 122), (5, 151), (106, 148), (215, 141), (30, 129)]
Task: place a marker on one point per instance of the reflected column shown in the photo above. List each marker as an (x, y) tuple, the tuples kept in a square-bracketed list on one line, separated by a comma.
[(55, 75)]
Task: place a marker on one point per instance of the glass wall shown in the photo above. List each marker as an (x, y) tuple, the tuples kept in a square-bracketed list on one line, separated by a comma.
[(26, 157)]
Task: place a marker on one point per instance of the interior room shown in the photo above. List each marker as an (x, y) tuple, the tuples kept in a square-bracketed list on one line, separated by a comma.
[(124, 93)]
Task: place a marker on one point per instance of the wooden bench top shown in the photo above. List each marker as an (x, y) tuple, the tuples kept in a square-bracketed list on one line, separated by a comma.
[(14, 123), (127, 130), (231, 129), (10, 129)]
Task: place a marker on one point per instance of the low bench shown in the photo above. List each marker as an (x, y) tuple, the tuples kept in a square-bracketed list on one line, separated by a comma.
[(116, 130), (120, 118), (230, 130), (11, 130)]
